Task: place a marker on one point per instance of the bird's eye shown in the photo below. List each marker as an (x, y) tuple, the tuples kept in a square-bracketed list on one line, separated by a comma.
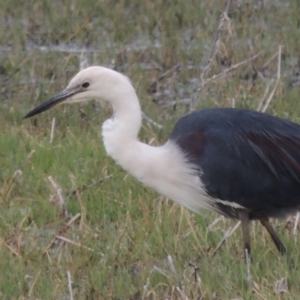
[(85, 85)]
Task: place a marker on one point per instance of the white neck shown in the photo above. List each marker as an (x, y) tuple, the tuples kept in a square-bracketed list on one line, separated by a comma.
[(120, 132), (163, 168)]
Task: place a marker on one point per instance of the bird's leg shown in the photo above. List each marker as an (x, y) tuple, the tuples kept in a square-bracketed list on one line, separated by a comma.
[(244, 218), (279, 245)]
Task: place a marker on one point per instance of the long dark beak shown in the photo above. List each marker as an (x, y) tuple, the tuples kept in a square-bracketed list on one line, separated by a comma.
[(60, 97)]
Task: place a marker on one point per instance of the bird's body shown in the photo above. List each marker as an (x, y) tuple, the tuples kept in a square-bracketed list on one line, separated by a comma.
[(247, 160), (240, 163)]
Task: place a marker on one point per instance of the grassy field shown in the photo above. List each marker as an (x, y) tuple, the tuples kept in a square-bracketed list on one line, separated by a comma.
[(107, 234)]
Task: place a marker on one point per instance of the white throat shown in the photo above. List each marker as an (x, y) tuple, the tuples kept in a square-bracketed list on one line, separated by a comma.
[(163, 168)]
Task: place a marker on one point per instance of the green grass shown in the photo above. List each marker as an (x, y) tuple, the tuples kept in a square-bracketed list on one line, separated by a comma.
[(129, 242)]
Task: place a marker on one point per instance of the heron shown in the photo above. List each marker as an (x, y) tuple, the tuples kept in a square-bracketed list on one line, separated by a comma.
[(240, 163)]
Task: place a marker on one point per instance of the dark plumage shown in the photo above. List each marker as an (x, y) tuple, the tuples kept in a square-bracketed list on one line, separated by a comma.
[(244, 157)]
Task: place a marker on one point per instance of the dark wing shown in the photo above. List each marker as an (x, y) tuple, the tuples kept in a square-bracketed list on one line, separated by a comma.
[(244, 158)]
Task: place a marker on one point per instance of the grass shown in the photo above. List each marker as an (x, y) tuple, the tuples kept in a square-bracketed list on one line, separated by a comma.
[(129, 242)]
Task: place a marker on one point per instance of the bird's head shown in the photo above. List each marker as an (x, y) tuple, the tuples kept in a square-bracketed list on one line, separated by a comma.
[(96, 82)]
